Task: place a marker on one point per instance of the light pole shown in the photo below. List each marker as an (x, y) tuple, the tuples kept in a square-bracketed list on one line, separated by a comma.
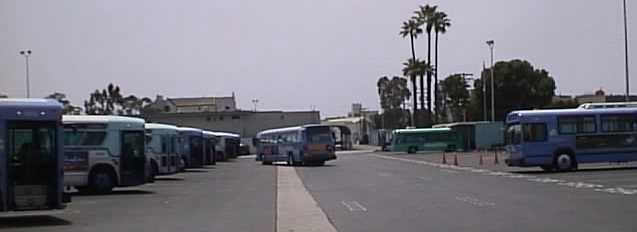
[(491, 44), (26, 54), (255, 102), (626, 52)]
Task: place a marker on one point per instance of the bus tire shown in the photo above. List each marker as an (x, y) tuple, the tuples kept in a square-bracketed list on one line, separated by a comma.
[(101, 180), (564, 161), (412, 150)]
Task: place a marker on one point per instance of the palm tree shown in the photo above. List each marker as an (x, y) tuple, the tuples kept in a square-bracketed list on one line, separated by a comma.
[(412, 29), (440, 24), (423, 17), (412, 69)]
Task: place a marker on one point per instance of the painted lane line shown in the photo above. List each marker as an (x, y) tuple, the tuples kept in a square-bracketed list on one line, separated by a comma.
[(530, 178), (296, 209), (354, 206), (450, 171)]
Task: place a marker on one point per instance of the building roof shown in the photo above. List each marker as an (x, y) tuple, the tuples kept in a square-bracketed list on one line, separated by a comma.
[(344, 120), (421, 130), (198, 101)]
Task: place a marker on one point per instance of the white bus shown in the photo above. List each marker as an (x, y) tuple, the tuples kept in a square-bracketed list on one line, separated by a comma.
[(227, 145), (303, 145), (102, 152), (161, 148)]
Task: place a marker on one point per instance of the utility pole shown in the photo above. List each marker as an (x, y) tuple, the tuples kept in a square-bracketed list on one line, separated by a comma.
[(491, 44), (626, 52), (26, 54)]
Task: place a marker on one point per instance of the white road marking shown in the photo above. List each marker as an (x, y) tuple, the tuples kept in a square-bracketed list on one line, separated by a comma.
[(296, 209), (530, 178), (385, 174), (450, 171), (354, 206), (354, 152)]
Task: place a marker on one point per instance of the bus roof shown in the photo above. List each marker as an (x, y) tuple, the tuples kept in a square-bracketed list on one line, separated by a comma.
[(421, 130), (110, 120), (576, 111), (159, 126), (225, 134), (461, 124), (189, 129), (290, 129), (30, 109)]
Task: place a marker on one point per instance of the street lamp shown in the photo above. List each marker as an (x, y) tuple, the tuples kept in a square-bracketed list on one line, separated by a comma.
[(26, 54), (255, 102), (491, 44), (626, 52)]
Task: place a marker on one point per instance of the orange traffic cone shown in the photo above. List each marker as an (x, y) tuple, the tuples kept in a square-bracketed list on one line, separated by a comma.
[(455, 159), (444, 158)]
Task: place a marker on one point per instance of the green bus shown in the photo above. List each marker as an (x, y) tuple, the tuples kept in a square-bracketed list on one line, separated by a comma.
[(426, 139)]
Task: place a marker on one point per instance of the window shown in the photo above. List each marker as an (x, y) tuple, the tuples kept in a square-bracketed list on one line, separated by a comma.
[(84, 138), (513, 134), (577, 125), (164, 144), (617, 123), (534, 132)]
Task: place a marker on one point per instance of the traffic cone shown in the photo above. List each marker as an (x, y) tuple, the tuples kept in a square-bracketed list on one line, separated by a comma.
[(444, 158), (496, 161), (481, 161), (455, 159)]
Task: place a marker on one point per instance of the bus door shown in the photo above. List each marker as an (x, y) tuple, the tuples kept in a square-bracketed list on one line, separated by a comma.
[(32, 162), (196, 151), (132, 159)]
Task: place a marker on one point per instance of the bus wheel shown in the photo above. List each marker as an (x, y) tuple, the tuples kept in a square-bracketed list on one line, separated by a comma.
[(411, 150), (564, 162), (101, 181)]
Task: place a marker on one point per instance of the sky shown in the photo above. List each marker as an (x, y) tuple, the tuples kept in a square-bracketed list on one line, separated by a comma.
[(297, 54)]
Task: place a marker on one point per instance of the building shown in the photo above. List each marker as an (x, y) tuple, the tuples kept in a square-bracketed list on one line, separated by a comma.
[(221, 114), (601, 97), (360, 122), (3, 95), (193, 104)]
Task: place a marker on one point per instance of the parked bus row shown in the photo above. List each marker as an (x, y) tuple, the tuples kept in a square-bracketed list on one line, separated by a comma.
[(44, 152)]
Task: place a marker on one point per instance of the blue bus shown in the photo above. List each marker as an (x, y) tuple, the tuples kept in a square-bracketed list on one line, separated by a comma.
[(310, 144), (192, 147), (561, 139), (31, 157)]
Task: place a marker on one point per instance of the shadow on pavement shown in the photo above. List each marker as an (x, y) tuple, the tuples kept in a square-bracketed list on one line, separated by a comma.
[(195, 170), (581, 170), (32, 221), (160, 178), (116, 192)]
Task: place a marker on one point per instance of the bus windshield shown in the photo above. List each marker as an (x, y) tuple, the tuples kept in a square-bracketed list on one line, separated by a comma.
[(513, 134)]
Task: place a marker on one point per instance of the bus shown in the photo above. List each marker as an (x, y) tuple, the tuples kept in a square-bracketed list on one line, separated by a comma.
[(210, 142), (103, 152), (559, 140), (192, 147), (31, 180), (424, 139), (161, 148), (227, 145), (302, 145)]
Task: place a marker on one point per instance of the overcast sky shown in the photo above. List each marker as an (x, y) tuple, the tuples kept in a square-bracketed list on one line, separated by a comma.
[(291, 54)]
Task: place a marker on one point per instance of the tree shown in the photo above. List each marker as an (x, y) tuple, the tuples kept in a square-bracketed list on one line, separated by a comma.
[(440, 24), (109, 101), (455, 89), (424, 17), (411, 29), (518, 86), (68, 107), (393, 92)]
